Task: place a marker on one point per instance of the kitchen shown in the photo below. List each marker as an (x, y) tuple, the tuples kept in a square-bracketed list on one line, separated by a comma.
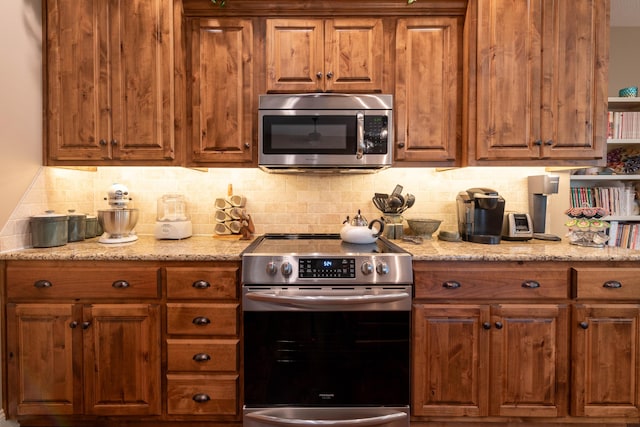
[(278, 203)]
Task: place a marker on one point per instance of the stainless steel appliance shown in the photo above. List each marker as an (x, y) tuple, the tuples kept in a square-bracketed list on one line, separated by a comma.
[(325, 131), (326, 332), (539, 187), (480, 215), (517, 226)]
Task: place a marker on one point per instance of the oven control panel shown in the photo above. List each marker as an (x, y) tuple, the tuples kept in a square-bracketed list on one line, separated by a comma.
[(329, 268)]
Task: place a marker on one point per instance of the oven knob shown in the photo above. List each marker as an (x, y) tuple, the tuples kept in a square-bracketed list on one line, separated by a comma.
[(286, 269), (382, 268), (367, 268), (272, 268)]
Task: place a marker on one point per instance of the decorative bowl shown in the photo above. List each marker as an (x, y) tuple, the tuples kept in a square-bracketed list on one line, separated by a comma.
[(631, 91), (423, 227)]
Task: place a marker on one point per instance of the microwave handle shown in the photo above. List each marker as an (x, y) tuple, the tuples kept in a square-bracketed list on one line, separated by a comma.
[(360, 136)]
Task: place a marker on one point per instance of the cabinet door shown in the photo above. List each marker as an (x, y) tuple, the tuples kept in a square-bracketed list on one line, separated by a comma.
[(530, 360), (427, 113), (450, 360), (575, 99), (295, 55), (353, 55), (122, 359), (141, 48), (44, 352), (76, 116), (508, 77), (606, 360), (222, 91)]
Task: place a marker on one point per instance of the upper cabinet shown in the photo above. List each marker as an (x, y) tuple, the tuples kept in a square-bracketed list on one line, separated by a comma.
[(332, 55), (221, 91), (109, 83), (537, 73), (428, 90)]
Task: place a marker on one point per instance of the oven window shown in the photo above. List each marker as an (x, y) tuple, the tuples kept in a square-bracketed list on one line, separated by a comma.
[(305, 134), (327, 358)]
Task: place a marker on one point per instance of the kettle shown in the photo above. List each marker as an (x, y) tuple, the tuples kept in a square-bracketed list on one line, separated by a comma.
[(359, 231)]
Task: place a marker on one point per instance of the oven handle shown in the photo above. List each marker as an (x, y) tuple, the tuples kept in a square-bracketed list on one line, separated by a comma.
[(355, 422), (321, 300)]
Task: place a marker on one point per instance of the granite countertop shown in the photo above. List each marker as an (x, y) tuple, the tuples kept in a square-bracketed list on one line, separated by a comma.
[(209, 248)]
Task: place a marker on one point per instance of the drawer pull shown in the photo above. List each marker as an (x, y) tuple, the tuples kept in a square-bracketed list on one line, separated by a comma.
[(201, 357), (201, 284), (120, 284), (583, 325), (201, 398), (201, 321), (451, 284), (612, 284), (530, 284), (43, 284)]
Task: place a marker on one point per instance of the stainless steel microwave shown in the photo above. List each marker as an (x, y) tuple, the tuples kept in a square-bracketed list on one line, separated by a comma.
[(325, 131)]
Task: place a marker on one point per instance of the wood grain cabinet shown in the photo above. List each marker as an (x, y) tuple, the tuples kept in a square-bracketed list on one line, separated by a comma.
[(221, 91), (82, 339), (332, 55), (203, 344), (490, 339), (428, 90), (109, 84), (537, 75), (606, 342)]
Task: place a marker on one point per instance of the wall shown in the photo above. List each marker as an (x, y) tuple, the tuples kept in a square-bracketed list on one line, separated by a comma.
[(624, 58)]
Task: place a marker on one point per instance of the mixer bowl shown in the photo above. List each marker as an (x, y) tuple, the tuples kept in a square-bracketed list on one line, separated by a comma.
[(118, 222)]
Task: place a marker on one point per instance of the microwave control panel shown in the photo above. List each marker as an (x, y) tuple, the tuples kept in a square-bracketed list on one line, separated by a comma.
[(376, 134)]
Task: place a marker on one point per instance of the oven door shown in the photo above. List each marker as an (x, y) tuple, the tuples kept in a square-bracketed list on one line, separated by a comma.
[(346, 350)]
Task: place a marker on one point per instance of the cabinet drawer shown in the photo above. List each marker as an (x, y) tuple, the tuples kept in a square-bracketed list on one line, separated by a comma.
[(95, 281), (202, 355), (202, 283), (202, 319), (607, 283), (202, 394), (491, 282)]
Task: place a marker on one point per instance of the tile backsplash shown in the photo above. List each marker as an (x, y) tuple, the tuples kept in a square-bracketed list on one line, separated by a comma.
[(276, 202)]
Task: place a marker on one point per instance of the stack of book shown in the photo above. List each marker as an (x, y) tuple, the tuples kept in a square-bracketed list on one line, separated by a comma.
[(624, 234), (618, 201), (624, 125)]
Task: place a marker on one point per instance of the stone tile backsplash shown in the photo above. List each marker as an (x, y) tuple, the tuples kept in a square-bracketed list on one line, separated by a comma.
[(277, 202)]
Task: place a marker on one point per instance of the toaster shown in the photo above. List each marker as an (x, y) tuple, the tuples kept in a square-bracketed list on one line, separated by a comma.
[(517, 226)]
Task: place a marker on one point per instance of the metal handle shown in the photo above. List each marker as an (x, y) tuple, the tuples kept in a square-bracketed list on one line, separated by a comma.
[(201, 357), (103, 142), (360, 422), (40, 284), (530, 284), (201, 284), (549, 142), (321, 300), (201, 321), (400, 144), (612, 284), (201, 398), (73, 324), (319, 75), (114, 142), (451, 284), (486, 325), (360, 136), (120, 284), (499, 325), (85, 325), (330, 75), (537, 142), (583, 325)]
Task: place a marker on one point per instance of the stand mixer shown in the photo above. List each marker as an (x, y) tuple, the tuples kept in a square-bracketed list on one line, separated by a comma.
[(119, 221)]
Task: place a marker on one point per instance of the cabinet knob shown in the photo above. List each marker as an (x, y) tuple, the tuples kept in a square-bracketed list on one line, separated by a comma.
[(499, 325), (537, 142), (103, 142), (201, 284), (247, 145), (319, 75), (612, 284), (451, 284), (201, 321), (120, 284), (583, 325), (73, 324), (330, 75), (548, 142), (530, 284), (486, 325), (114, 142), (201, 398), (43, 284), (85, 325), (401, 144), (201, 357)]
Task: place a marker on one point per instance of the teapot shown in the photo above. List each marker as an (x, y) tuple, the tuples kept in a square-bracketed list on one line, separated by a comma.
[(358, 230)]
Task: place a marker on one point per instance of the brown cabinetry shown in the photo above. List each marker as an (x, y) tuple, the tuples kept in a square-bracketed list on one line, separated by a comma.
[(606, 342), (428, 90), (109, 83), (203, 345), (480, 351), (221, 91), (537, 75), (72, 352), (333, 55)]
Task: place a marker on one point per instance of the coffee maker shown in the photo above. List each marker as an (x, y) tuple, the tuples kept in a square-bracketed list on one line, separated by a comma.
[(480, 215)]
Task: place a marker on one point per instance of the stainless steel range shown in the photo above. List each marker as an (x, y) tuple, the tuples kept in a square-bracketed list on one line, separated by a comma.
[(326, 332)]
